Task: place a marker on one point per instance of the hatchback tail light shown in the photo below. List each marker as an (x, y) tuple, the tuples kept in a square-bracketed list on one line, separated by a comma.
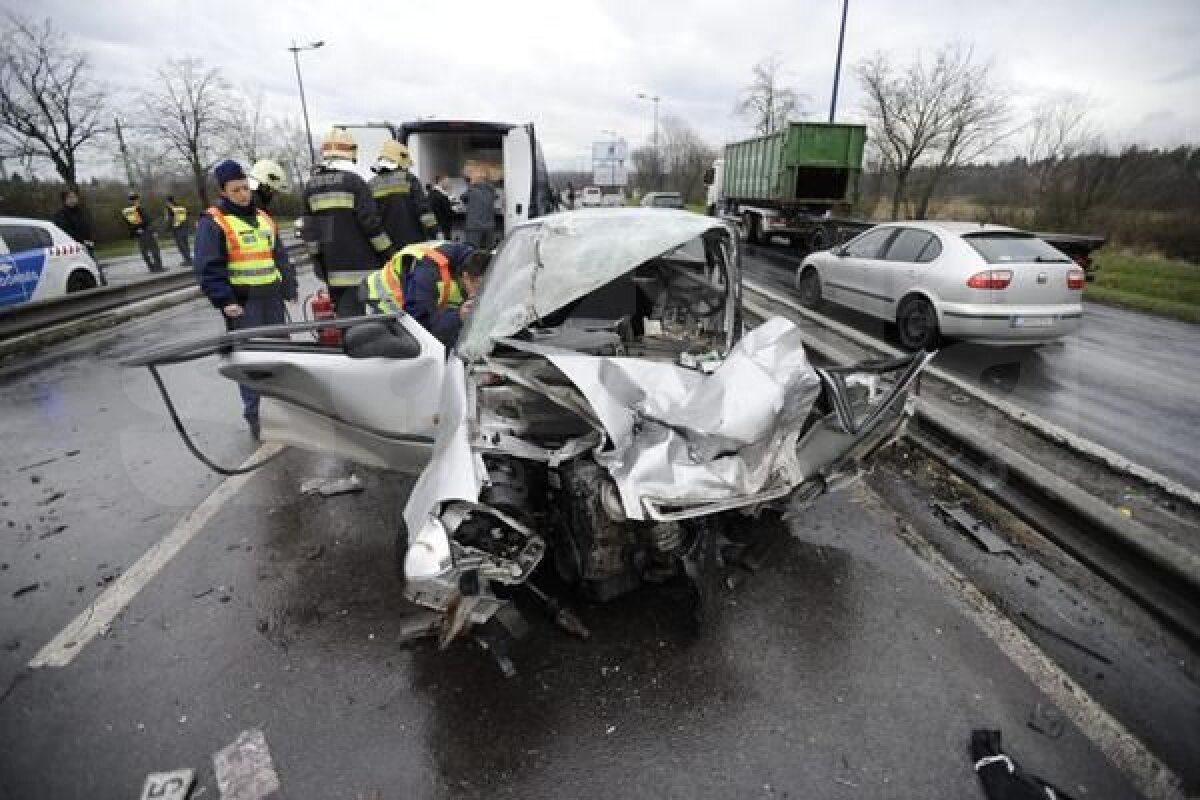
[(1076, 279), (991, 279)]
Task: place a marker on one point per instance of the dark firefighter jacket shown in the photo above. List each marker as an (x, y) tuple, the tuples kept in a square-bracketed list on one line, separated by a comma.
[(212, 260), (403, 206), (343, 228)]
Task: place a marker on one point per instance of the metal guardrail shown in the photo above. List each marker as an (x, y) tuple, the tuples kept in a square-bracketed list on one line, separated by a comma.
[(37, 316), (1161, 576)]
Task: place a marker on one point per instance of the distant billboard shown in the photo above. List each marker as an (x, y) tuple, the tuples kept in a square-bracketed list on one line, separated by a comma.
[(615, 150), (608, 163), (609, 173)]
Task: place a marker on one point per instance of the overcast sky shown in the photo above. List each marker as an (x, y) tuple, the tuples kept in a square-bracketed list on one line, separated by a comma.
[(574, 67)]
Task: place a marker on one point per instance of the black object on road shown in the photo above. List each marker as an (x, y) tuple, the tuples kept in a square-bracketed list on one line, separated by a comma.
[(1001, 776)]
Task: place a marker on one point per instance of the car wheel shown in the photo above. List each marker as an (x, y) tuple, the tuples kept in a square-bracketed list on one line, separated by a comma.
[(916, 324), (753, 229), (80, 280), (808, 286)]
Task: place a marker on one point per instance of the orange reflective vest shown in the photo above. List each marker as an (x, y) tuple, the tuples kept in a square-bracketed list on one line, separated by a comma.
[(251, 248)]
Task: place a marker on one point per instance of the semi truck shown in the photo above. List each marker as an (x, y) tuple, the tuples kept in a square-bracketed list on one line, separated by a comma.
[(798, 183)]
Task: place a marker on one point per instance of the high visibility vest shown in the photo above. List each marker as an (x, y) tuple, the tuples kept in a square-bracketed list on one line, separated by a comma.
[(178, 215), (251, 257), (449, 293), (132, 214), (385, 290)]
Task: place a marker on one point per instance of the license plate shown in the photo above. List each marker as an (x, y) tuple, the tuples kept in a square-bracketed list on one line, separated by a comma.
[(1033, 322)]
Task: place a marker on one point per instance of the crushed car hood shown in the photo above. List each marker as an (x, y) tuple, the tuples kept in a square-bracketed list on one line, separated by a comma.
[(679, 437), (544, 265)]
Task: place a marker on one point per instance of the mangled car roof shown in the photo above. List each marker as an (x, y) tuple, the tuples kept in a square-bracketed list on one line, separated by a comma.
[(544, 265)]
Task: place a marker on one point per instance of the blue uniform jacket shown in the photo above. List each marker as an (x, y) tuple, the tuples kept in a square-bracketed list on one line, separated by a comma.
[(211, 262), (421, 294)]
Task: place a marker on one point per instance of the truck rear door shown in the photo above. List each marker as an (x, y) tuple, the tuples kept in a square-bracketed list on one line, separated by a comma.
[(518, 176)]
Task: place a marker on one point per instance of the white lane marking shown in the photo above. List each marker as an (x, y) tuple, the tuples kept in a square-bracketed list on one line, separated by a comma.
[(63, 648), (1149, 775)]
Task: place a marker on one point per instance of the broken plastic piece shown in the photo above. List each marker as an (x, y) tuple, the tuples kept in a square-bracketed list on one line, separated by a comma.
[(976, 528), (168, 785), (244, 770)]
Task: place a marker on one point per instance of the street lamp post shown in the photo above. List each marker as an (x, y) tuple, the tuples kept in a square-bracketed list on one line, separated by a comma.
[(612, 161), (312, 155), (657, 159), (837, 67)]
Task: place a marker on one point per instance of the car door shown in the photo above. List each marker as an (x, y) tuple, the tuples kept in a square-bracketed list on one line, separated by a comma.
[(892, 276), (378, 410), (23, 262), (848, 272)]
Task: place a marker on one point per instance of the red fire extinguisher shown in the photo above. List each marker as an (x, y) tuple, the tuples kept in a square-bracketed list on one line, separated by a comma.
[(320, 307)]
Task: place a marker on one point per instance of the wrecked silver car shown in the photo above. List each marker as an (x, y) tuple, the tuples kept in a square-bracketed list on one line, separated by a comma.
[(605, 412)]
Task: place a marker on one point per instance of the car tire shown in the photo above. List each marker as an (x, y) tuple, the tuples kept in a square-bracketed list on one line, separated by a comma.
[(80, 280), (400, 550), (753, 229), (916, 324), (808, 287)]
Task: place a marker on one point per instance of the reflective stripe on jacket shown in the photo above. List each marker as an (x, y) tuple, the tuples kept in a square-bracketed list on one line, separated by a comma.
[(250, 248), (449, 292), (343, 227), (178, 215), (385, 291), (133, 215)]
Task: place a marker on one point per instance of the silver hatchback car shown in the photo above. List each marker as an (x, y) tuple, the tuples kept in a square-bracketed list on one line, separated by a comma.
[(980, 283)]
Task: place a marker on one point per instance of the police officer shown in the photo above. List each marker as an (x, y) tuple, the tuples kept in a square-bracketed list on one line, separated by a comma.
[(402, 202), (242, 265), (342, 225), (441, 287), (176, 219), (382, 292), (140, 228), (267, 178)]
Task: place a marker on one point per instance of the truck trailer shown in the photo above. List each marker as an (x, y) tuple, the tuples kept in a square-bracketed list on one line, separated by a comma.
[(798, 183)]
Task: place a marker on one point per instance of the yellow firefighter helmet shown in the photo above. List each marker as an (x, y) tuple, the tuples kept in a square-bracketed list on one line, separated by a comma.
[(338, 143), (396, 153), (266, 172)]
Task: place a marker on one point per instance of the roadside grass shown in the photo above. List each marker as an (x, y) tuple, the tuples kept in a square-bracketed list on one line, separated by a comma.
[(126, 247), (1146, 282)]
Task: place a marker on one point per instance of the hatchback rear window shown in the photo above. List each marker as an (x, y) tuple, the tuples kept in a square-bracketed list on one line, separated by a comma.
[(668, 201), (1010, 248)]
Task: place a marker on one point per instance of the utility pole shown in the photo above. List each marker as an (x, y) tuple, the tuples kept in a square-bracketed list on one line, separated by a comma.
[(837, 69), (124, 153)]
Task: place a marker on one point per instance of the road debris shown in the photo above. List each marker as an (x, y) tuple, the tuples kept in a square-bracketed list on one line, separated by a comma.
[(32, 587), (1046, 720), (1062, 637), (203, 593), (315, 552), (52, 498), (329, 488), (168, 785), (1001, 776), (976, 528), (55, 531), (244, 770), (28, 467)]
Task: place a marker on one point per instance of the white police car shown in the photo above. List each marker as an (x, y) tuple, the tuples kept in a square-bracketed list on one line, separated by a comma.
[(39, 261)]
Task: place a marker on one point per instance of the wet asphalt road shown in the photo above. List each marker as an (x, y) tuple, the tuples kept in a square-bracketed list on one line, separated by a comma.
[(1125, 380), (839, 670)]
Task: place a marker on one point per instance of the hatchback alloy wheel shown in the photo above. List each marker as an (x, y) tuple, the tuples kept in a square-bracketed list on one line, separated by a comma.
[(916, 324)]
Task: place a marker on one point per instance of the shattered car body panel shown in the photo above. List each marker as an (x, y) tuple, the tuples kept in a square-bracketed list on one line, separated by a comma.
[(603, 415)]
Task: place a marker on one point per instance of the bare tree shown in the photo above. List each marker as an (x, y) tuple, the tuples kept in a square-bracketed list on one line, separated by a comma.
[(290, 147), (947, 111), (765, 102), (685, 156), (648, 164), (247, 130), (1059, 129), (190, 111), (50, 105)]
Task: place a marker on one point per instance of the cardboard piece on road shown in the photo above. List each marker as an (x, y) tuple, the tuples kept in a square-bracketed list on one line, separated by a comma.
[(168, 785), (244, 770)]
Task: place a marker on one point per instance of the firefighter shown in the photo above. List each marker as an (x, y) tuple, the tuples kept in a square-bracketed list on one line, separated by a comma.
[(441, 288), (242, 265), (342, 226), (401, 200), (176, 219), (141, 229), (267, 178)]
